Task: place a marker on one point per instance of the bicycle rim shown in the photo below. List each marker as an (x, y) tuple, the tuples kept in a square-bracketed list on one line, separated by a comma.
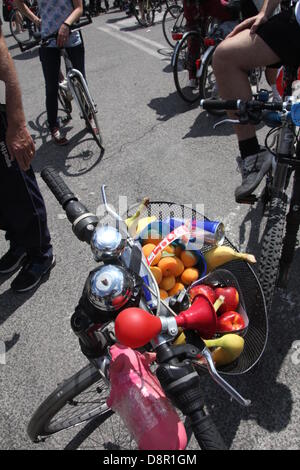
[(272, 247), (20, 27), (185, 67), (88, 112), (173, 22), (208, 84)]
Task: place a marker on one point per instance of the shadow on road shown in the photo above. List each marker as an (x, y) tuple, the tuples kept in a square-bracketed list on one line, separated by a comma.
[(32, 54), (79, 157)]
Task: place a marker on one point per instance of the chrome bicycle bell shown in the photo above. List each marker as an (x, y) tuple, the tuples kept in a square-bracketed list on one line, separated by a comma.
[(107, 243), (110, 287)]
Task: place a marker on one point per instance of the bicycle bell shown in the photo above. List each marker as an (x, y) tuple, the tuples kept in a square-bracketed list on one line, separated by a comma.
[(110, 287), (107, 243)]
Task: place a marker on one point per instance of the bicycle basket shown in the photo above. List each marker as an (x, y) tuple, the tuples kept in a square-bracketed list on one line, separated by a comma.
[(253, 299)]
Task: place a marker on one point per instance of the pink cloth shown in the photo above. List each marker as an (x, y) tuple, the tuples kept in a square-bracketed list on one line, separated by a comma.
[(136, 395)]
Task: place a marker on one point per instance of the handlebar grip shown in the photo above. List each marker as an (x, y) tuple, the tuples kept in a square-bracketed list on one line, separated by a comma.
[(57, 186), (207, 434), (29, 45), (220, 104)]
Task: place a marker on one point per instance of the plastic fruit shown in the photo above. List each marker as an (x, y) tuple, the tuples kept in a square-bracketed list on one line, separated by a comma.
[(188, 258), (229, 348), (204, 290), (168, 283), (231, 298), (168, 266), (147, 249), (132, 221), (144, 222), (180, 266), (163, 294), (177, 288), (223, 254), (156, 271), (230, 321), (189, 276)]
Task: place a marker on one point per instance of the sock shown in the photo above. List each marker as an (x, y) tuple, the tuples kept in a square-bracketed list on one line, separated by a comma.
[(249, 147)]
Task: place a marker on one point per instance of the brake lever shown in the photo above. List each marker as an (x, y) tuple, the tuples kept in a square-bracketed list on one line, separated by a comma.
[(220, 381)]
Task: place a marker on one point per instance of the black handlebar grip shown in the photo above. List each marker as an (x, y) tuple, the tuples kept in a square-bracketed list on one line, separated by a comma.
[(28, 46), (57, 186), (219, 104), (207, 434)]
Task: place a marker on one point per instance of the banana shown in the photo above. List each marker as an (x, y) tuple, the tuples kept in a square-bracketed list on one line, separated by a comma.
[(223, 254), (132, 221), (229, 348)]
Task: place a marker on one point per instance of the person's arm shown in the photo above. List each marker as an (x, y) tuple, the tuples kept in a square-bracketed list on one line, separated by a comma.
[(64, 30), (18, 140), (253, 23), (27, 12)]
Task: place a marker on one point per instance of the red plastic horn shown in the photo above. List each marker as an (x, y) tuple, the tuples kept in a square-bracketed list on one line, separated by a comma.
[(201, 316), (135, 327)]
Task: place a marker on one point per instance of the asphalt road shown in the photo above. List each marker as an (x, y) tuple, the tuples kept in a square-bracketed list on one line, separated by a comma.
[(158, 146)]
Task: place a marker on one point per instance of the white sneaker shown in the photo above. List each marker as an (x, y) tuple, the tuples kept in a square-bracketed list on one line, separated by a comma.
[(64, 84)]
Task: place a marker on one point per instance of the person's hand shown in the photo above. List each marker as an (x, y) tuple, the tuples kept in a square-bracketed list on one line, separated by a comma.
[(250, 23), (63, 35), (38, 22), (20, 145)]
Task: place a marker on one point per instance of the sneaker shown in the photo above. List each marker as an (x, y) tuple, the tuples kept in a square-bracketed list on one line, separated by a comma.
[(58, 137), (253, 169), (31, 275), (12, 260)]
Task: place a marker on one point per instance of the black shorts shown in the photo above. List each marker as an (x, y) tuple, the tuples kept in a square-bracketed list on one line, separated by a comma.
[(282, 34)]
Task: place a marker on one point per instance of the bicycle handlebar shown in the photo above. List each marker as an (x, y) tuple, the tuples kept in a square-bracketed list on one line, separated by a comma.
[(84, 21), (239, 105)]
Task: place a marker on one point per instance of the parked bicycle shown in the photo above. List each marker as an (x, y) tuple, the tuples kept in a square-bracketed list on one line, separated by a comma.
[(21, 27), (280, 235), (74, 86), (124, 285), (173, 24)]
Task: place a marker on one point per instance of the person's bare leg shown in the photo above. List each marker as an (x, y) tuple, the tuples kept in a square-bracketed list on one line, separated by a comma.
[(232, 60)]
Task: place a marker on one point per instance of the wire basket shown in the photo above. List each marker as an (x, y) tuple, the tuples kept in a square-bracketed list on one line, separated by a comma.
[(248, 284)]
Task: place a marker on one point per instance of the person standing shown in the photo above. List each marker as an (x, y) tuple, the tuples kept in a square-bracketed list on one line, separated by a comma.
[(22, 209), (57, 16)]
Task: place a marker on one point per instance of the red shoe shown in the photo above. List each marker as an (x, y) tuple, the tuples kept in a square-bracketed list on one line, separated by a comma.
[(58, 137)]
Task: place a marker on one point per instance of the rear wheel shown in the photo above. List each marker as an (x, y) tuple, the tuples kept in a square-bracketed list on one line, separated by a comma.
[(88, 112), (272, 247), (173, 24), (186, 54), (21, 27)]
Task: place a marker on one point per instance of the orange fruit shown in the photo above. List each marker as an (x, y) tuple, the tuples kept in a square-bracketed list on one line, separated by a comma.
[(163, 294), (188, 258), (156, 271), (152, 237), (177, 288), (169, 249), (189, 275), (168, 266), (147, 249), (180, 267), (167, 283)]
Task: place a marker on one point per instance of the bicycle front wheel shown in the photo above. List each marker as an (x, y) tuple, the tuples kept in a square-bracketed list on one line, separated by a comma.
[(21, 28), (173, 24), (149, 12), (272, 247), (81, 399), (186, 54), (88, 112)]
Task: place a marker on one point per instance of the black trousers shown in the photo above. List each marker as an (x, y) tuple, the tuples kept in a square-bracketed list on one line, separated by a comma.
[(22, 208), (50, 59)]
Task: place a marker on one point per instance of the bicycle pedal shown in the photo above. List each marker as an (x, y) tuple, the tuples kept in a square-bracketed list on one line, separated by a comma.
[(252, 199)]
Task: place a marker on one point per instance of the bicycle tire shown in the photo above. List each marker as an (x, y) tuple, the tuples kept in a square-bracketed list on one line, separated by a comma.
[(207, 81), (272, 246), (22, 37), (185, 67), (88, 111), (149, 11), (173, 21), (41, 424)]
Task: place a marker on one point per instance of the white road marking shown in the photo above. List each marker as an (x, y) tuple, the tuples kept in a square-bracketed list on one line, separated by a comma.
[(139, 37)]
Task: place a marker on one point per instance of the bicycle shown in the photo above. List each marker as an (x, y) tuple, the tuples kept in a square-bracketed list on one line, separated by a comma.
[(280, 236), (83, 397), (76, 88), (173, 24), (21, 27)]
